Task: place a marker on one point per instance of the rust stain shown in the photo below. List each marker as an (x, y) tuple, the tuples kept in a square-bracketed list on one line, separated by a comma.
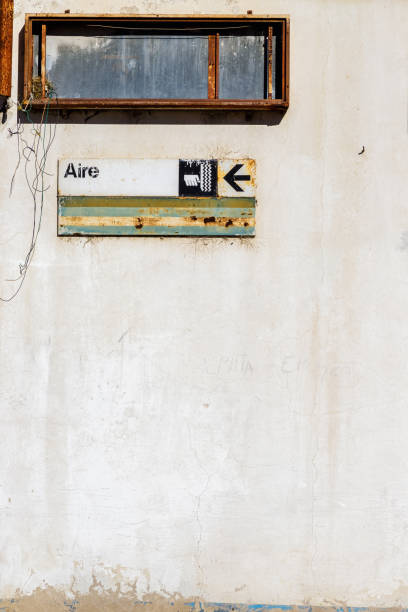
[(149, 16), (139, 222), (248, 167), (212, 72)]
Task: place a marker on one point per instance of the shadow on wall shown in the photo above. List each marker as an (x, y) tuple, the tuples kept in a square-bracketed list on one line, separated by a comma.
[(161, 117), (158, 117)]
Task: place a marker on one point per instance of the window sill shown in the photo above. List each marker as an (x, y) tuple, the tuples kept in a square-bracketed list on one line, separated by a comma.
[(145, 104)]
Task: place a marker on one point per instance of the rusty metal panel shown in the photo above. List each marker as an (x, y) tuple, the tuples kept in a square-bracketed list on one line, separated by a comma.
[(137, 216), (153, 197), (162, 16), (6, 43)]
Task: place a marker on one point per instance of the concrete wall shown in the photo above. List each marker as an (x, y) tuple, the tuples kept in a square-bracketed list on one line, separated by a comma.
[(219, 419)]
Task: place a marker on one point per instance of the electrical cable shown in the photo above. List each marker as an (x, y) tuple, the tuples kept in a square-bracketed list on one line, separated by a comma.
[(111, 27), (35, 155)]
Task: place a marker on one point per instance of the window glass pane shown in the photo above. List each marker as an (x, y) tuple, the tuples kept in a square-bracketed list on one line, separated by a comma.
[(242, 67), (36, 55), (129, 66), (274, 67)]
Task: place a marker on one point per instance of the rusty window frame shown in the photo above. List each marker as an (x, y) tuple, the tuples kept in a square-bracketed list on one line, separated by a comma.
[(266, 22)]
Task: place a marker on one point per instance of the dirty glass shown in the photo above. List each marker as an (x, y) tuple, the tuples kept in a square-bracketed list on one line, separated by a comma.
[(131, 66), (242, 71), (36, 55)]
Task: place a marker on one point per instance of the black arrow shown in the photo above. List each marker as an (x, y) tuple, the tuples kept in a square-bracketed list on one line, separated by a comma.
[(231, 177)]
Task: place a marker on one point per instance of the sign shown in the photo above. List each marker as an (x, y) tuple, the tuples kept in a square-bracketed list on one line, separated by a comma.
[(185, 197), (198, 177), (236, 178)]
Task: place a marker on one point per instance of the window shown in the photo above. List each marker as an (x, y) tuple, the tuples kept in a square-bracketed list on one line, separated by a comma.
[(81, 61)]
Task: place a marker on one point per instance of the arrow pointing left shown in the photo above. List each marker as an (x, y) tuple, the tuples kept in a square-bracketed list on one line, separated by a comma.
[(231, 177)]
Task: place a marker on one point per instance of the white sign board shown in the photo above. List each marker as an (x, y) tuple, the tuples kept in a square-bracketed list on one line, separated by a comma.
[(118, 177), (156, 177)]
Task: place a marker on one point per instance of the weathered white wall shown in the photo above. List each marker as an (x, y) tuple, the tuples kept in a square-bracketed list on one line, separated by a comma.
[(225, 419)]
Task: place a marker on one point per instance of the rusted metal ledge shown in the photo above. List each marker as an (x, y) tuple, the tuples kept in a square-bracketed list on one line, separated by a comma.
[(163, 17), (81, 103)]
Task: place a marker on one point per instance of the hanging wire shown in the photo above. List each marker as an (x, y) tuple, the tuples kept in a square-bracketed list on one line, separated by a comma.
[(35, 155), (158, 37), (170, 29)]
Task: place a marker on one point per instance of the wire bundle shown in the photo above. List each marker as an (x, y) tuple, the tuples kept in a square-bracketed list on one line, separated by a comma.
[(35, 156)]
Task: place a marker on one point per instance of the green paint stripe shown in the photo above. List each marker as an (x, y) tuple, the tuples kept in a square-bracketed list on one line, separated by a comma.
[(141, 202), (104, 211), (152, 230)]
